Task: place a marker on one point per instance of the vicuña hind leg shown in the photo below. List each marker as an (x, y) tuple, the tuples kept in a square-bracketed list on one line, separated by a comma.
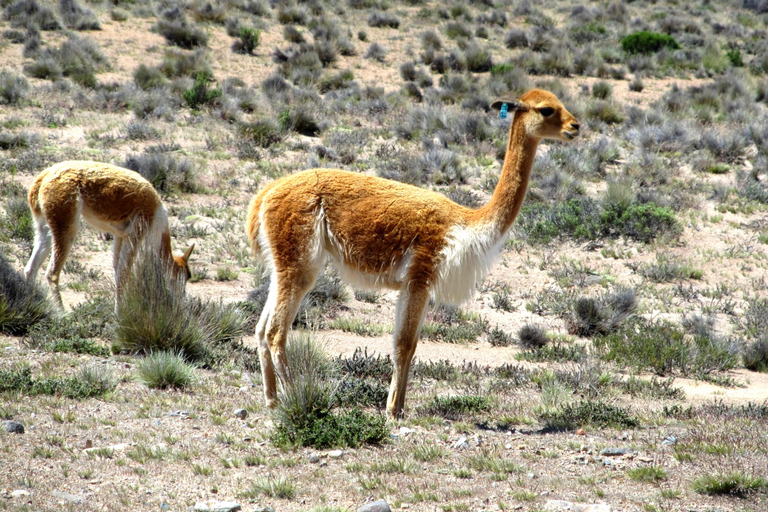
[(43, 244), (411, 306), (64, 222)]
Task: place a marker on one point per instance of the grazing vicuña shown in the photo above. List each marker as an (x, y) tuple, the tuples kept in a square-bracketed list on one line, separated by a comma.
[(110, 199)]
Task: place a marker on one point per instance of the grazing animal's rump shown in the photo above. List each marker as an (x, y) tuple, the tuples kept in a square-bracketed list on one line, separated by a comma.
[(107, 197), (381, 233)]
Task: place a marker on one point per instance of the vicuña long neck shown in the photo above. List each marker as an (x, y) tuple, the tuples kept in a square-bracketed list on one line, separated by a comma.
[(508, 197)]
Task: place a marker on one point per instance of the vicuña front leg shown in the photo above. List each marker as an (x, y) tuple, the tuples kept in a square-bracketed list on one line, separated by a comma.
[(409, 314), (64, 222)]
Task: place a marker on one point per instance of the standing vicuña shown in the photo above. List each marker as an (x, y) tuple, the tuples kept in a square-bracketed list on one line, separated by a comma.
[(110, 199), (385, 234)]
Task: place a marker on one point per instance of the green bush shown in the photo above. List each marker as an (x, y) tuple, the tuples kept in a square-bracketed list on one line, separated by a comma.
[(263, 132), (647, 42), (248, 41), (200, 94), (755, 356), (21, 305)]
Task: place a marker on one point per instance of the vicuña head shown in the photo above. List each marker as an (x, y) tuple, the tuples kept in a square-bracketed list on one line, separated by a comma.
[(110, 199), (384, 234)]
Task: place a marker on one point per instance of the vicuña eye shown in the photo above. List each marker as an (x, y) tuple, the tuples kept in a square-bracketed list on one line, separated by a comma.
[(546, 111)]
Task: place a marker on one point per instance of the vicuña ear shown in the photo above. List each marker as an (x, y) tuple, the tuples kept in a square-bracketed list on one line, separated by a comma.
[(512, 105), (189, 252)]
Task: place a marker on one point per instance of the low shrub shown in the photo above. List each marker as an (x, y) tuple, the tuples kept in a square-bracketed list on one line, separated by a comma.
[(647, 42), (664, 348), (263, 132), (455, 407), (383, 19), (376, 52), (178, 63), (77, 17), (26, 13), (21, 306), (200, 94), (248, 41), (146, 77), (90, 381), (77, 58), (166, 173), (755, 355), (13, 88), (76, 331), (532, 337), (179, 32), (589, 413)]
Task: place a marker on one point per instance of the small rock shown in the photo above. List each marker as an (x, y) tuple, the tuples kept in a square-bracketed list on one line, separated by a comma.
[(531, 475), (615, 452), (69, 498), (264, 509), (14, 427), (405, 431), (88, 444), (216, 506), (19, 493), (580, 432), (461, 443), (314, 458), (241, 414), (335, 454), (569, 506), (375, 506)]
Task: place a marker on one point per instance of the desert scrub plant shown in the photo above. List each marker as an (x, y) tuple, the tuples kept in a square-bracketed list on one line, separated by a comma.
[(163, 170), (667, 268), (162, 370), (77, 17), (383, 19), (304, 415), (588, 413), (248, 40), (88, 382), (22, 306), (376, 52), (755, 354), (603, 314), (75, 332), (200, 94), (77, 58), (455, 407), (263, 133), (664, 348), (26, 13), (146, 77), (175, 28), (452, 325), (532, 337), (647, 42), (13, 88)]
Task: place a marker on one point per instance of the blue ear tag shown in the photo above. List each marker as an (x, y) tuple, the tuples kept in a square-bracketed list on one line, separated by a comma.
[(503, 111)]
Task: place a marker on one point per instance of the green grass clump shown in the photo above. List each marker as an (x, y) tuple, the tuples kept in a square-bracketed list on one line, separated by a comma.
[(647, 42), (21, 306), (647, 474), (273, 487), (735, 484), (162, 370), (156, 316), (305, 414), (455, 407), (588, 412), (263, 133)]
